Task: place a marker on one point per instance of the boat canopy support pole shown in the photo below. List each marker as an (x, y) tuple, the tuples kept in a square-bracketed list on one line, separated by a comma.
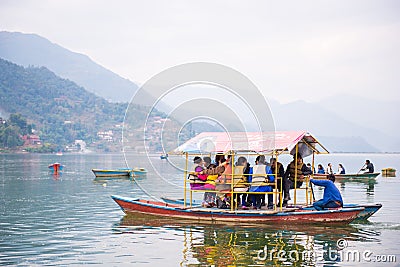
[(185, 173), (312, 176), (232, 170), (295, 174)]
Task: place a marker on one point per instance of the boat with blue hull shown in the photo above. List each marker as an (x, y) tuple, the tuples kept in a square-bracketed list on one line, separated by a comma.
[(56, 167)]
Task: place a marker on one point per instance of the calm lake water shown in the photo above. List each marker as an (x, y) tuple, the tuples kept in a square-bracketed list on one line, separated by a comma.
[(71, 219)]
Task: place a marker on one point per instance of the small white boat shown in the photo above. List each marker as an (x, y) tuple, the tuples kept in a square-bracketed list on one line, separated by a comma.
[(112, 173)]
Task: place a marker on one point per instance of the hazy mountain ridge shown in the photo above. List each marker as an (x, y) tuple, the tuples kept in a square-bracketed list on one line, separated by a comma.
[(365, 112), (344, 134), (31, 49), (346, 123)]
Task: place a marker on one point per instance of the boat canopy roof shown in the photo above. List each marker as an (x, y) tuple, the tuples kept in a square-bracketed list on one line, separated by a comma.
[(277, 142)]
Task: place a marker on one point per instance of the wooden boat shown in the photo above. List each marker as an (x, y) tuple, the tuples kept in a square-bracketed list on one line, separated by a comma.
[(112, 173), (294, 143), (369, 209), (56, 167), (139, 171), (140, 206), (349, 176), (389, 172)]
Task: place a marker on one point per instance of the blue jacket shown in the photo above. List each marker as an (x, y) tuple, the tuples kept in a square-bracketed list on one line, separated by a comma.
[(265, 188), (331, 193)]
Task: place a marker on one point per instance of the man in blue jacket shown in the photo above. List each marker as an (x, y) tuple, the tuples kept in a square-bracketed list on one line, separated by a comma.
[(332, 197)]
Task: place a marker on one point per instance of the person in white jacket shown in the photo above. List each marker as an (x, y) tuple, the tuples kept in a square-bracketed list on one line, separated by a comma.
[(329, 169)]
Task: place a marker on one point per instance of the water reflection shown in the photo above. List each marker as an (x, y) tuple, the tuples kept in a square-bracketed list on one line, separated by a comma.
[(278, 245), (56, 175), (368, 184)]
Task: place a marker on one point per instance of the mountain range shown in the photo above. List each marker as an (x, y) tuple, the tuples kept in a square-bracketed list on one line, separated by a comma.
[(59, 110), (34, 50), (344, 123), (338, 133)]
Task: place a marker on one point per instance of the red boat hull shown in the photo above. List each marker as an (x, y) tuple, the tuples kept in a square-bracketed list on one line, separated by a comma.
[(138, 206)]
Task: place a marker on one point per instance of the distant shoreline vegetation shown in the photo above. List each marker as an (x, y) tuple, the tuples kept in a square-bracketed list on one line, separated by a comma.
[(50, 114)]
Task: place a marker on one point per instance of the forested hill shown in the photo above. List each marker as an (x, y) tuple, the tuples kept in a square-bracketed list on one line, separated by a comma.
[(34, 50), (59, 109)]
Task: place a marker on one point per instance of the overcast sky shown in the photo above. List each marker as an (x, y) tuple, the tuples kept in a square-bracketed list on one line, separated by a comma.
[(290, 49)]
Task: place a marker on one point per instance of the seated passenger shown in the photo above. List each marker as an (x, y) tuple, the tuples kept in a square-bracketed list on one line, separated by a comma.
[(212, 173), (280, 172), (223, 183), (329, 169), (258, 182), (219, 159), (310, 167), (197, 180), (290, 179), (240, 182), (341, 169), (332, 197), (320, 169), (207, 162)]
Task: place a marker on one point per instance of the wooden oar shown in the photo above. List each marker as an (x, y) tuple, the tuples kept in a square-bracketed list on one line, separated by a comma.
[(312, 191), (361, 168)]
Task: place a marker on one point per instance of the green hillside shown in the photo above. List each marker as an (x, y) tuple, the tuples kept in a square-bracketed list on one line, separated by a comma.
[(31, 49), (59, 110)]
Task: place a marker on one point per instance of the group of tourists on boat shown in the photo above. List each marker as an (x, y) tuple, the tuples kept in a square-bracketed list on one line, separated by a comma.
[(218, 177), (215, 178), (329, 169), (367, 168)]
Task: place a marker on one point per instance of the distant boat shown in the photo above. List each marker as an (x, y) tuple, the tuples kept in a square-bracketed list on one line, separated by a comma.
[(349, 176), (164, 156), (390, 172), (123, 172), (59, 153), (56, 167), (139, 171)]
